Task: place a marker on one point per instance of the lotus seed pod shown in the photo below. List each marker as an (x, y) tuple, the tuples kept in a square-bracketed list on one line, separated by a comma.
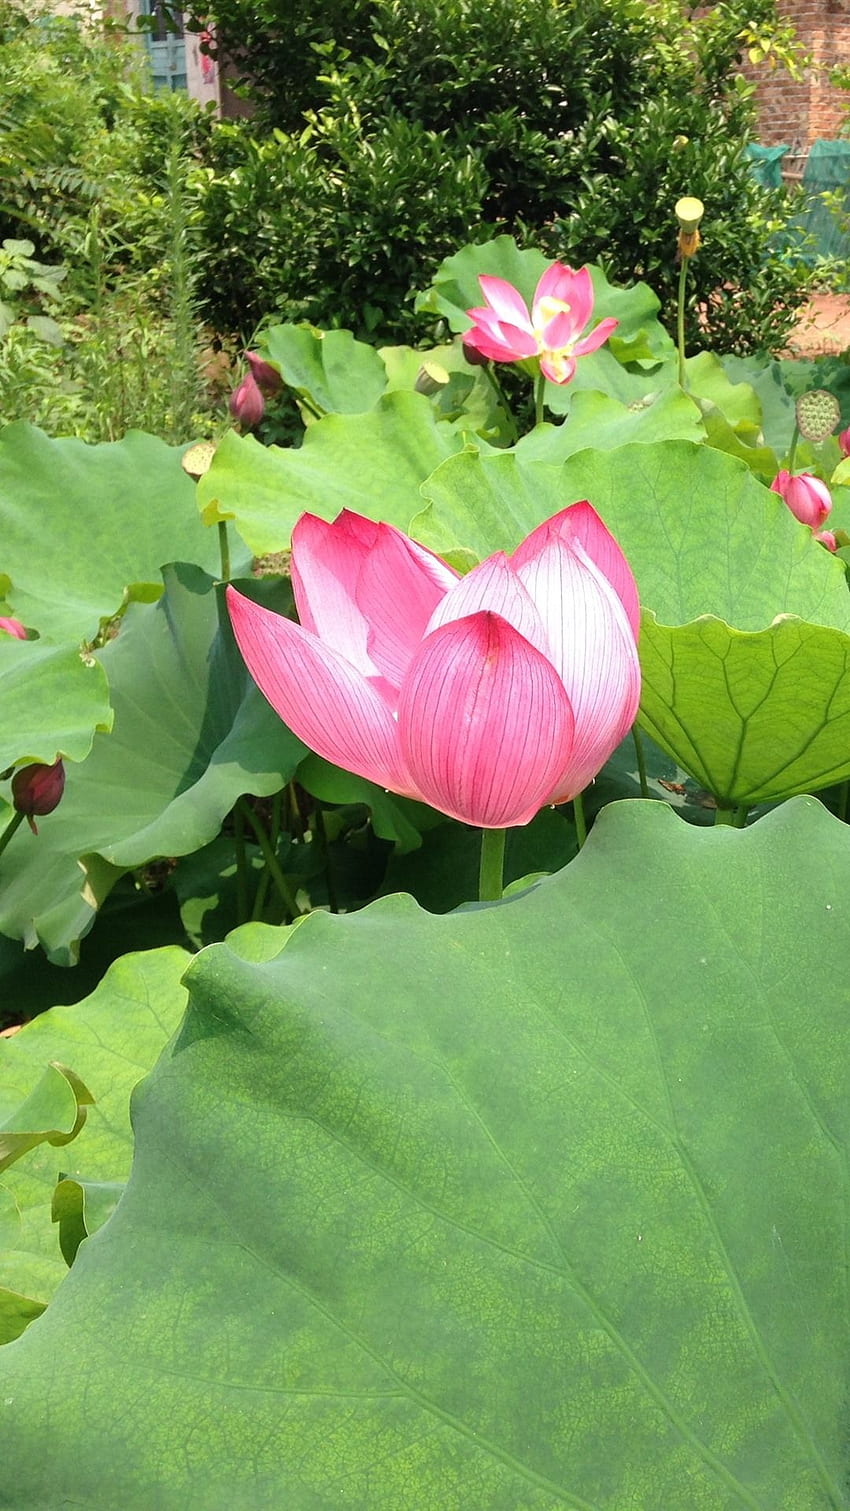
[(818, 413)]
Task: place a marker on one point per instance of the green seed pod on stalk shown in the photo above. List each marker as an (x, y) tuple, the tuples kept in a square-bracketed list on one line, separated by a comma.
[(818, 413)]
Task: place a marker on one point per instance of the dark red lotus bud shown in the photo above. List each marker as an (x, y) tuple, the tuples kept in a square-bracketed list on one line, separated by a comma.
[(472, 356), (246, 403), (266, 377), (37, 790)]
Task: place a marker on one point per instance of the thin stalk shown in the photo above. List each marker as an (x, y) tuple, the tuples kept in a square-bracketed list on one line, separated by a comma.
[(322, 832), (579, 819), (793, 451), (683, 278), (283, 888), (296, 820), (843, 794), (224, 549), (641, 761), (14, 823), (500, 395), (241, 865), (492, 868), (539, 391)]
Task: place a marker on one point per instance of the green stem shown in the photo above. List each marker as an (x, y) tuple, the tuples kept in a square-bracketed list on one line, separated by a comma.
[(224, 548), (734, 817), (578, 816), (271, 860), (641, 761), (503, 403), (492, 868), (539, 391), (680, 324), (319, 818), (843, 794), (793, 451), (14, 823), (241, 865)]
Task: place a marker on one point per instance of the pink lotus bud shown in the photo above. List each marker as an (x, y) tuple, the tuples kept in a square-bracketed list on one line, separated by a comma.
[(266, 377), (246, 403), (806, 496), (844, 441), (488, 696), (37, 790), (827, 538), (13, 627)]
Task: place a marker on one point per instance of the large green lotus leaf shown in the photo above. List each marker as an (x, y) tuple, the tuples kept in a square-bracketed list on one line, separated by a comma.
[(599, 421), (468, 390), (533, 1206), (702, 535), (332, 371), (192, 733), (111, 1039), (53, 1111), (373, 463), (777, 404), (82, 527), (53, 701), (755, 717)]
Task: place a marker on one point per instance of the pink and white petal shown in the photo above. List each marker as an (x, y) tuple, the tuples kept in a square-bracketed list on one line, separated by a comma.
[(573, 288), (558, 367), (319, 695), (491, 347), (485, 726), (327, 560), (598, 336), (505, 300), (580, 522), (559, 332), (493, 586), (592, 647), (400, 586)]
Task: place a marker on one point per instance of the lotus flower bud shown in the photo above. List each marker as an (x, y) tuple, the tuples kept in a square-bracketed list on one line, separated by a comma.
[(806, 496), (817, 414), (37, 790), (266, 377), (844, 441), (827, 538), (246, 403), (13, 627)]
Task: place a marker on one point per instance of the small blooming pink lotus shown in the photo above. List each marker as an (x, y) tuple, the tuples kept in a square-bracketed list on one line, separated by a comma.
[(503, 330), (488, 696)]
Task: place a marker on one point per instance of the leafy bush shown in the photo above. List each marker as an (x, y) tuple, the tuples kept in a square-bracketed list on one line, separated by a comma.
[(576, 127)]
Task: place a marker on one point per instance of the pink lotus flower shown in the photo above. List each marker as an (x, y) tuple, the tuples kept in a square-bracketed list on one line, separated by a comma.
[(266, 377), (503, 330), (488, 696), (827, 538), (13, 627), (806, 496), (844, 441)]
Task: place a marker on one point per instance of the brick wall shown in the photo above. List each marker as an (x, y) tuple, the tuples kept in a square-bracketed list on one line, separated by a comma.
[(797, 113)]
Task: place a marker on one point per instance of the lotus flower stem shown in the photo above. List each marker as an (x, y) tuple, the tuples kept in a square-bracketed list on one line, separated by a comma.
[(242, 913), (843, 793), (641, 761), (319, 820), (735, 817), (14, 823), (492, 867), (503, 403), (578, 816), (793, 449), (271, 860), (539, 391), (683, 278), (224, 548)]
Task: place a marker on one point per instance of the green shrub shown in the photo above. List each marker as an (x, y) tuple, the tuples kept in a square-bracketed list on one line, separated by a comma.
[(574, 124)]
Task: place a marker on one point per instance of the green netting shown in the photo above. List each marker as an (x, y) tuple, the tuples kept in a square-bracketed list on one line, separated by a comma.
[(766, 164), (819, 229)]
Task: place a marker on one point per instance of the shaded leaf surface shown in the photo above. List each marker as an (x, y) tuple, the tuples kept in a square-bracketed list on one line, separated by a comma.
[(554, 1215)]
